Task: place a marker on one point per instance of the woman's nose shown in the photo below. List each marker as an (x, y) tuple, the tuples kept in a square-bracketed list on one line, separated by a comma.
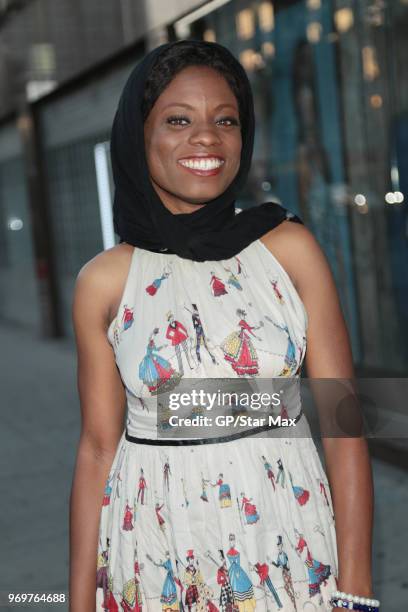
[(205, 133)]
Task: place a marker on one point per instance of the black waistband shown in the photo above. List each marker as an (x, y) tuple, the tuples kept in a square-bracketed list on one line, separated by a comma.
[(215, 440)]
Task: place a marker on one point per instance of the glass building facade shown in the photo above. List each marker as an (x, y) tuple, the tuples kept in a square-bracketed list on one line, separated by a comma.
[(330, 88)]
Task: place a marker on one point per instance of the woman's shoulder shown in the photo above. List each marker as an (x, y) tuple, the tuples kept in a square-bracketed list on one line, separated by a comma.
[(101, 279), (296, 249), (104, 263), (285, 241)]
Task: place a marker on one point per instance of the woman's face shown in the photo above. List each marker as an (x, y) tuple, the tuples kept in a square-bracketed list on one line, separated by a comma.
[(193, 139)]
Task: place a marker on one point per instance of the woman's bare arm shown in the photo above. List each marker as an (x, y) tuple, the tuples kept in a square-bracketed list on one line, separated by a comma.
[(103, 402), (328, 355)]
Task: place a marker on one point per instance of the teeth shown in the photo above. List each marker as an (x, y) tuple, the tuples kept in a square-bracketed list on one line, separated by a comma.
[(202, 164)]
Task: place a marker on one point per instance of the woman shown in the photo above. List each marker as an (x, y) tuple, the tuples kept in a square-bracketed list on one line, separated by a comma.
[(181, 150)]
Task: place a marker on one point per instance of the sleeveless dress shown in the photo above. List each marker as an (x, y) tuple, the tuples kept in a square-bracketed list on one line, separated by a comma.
[(234, 526)]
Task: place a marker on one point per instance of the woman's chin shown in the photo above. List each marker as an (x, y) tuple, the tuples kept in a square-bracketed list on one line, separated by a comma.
[(200, 198), (188, 207), (187, 203)]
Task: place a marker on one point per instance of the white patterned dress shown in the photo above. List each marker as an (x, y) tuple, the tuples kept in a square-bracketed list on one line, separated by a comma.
[(235, 526)]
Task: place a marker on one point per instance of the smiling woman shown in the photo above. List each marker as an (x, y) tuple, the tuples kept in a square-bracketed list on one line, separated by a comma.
[(238, 522)]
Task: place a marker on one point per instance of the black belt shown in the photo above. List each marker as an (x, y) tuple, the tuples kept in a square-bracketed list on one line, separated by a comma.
[(216, 440)]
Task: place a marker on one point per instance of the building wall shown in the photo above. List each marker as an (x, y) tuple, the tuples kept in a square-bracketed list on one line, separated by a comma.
[(71, 126), (51, 41), (19, 299)]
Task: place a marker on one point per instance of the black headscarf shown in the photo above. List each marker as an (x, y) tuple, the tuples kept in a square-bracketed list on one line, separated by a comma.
[(214, 231)]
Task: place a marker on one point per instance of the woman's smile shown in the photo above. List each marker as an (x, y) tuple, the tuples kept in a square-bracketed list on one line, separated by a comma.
[(203, 165)]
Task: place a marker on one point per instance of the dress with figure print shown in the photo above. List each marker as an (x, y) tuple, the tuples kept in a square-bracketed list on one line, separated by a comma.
[(240, 525)]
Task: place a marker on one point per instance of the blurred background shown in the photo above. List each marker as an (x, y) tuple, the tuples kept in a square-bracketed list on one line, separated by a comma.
[(331, 95)]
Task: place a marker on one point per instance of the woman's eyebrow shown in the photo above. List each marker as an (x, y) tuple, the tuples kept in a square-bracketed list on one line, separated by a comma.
[(222, 105)]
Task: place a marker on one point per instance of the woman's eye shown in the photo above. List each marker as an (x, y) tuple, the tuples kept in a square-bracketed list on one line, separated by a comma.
[(230, 120), (176, 120)]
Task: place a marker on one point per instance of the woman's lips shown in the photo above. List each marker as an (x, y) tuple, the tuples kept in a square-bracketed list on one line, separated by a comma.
[(200, 171)]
